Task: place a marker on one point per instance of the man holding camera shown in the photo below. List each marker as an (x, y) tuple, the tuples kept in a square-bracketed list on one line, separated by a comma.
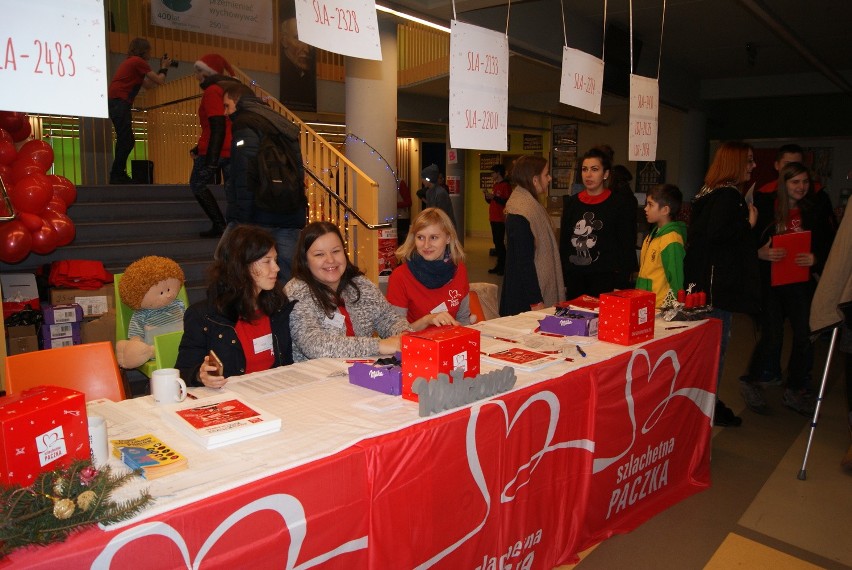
[(133, 74)]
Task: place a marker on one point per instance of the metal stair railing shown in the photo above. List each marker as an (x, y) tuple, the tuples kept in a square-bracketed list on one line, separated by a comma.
[(338, 191)]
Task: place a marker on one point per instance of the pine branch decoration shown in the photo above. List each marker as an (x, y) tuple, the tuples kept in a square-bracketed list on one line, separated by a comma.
[(61, 502)]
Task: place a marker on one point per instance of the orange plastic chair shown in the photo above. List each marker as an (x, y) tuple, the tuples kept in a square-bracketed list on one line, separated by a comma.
[(88, 368), (476, 307)]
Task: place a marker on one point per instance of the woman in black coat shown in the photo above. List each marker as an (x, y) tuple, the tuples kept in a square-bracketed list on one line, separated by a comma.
[(721, 255)]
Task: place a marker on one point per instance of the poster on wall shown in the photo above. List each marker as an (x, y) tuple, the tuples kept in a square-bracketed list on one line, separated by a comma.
[(52, 49), (533, 142), (565, 134), (649, 174), (486, 161), (642, 137), (453, 184), (298, 71), (347, 27), (582, 80), (479, 87), (249, 20), (387, 247)]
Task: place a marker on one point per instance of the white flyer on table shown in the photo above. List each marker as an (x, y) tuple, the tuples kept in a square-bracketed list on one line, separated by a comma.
[(582, 80), (347, 27), (479, 88), (644, 106)]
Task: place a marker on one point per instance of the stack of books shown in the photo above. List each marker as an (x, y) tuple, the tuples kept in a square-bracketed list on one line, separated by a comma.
[(220, 420), (148, 455)]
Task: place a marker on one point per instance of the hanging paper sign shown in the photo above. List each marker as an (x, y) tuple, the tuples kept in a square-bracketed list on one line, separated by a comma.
[(51, 49), (479, 88), (347, 27), (582, 80), (249, 20), (644, 104)]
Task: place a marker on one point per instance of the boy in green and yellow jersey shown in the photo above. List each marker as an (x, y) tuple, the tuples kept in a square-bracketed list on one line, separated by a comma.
[(661, 260)]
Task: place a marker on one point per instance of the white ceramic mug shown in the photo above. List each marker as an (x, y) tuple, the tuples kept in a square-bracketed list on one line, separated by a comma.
[(167, 386), (98, 441)]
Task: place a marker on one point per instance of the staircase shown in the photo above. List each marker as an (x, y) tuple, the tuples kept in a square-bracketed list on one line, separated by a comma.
[(119, 224)]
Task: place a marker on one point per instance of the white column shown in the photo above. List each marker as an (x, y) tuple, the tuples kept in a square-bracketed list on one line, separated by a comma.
[(371, 113)]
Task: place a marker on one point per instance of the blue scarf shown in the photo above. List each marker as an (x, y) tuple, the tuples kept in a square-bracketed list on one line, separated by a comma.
[(432, 274)]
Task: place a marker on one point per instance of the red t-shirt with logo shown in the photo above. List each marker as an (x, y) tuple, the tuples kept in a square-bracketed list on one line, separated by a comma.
[(404, 290), (256, 340)]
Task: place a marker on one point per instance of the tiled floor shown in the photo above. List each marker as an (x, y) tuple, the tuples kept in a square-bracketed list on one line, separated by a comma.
[(757, 514)]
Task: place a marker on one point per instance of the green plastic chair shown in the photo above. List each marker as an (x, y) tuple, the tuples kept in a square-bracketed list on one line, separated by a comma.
[(123, 313), (166, 349)]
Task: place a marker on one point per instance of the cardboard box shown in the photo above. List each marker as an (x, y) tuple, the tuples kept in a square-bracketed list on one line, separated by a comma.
[(57, 314), (22, 338), (57, 336), (95, 302), (435, 350), (19, 292), (41, 429), (575, 323), (384, 379), (99, 329), (627, 316)]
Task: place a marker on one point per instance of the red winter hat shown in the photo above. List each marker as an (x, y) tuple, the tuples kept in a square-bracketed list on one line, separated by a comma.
[(212, 64)]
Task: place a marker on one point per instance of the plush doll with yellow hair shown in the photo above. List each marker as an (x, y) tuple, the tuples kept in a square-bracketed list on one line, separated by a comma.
[(150, 287)]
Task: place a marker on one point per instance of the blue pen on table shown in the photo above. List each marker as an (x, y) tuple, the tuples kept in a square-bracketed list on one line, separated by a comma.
[(580, 350)]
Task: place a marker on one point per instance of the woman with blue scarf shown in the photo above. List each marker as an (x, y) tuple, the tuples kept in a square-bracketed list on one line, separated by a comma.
[(430, 288)]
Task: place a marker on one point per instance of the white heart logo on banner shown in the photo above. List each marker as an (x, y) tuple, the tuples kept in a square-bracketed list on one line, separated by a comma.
[(287, 506), (704, 400), (523, 472)]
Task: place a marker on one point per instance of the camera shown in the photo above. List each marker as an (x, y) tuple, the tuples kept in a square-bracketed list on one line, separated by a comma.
[(174, 63)]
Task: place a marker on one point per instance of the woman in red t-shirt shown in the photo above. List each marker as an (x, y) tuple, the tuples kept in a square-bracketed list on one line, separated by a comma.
[(430, 288), (245, 319), (792, 209)]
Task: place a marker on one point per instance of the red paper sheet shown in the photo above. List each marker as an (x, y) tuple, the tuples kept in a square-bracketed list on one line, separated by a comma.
[(785, 271)]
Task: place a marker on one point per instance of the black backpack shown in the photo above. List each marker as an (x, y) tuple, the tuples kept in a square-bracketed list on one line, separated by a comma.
[(281, 176)]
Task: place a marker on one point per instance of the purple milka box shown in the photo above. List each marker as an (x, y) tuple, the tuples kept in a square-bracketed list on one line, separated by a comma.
[(58, 314), (577, 323), (385, 379)]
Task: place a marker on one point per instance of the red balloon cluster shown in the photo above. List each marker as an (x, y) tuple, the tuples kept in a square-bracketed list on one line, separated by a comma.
[(40, 200)]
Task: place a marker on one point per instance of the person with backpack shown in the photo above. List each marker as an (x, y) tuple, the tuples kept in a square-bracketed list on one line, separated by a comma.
[(267, 183)]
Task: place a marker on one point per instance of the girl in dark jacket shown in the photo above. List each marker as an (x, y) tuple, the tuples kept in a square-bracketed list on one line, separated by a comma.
[(791, 209), (246, 317)]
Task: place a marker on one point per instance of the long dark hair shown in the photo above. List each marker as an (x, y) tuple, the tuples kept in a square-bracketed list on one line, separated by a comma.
[(322, 294), (782, 203), (231, 286)]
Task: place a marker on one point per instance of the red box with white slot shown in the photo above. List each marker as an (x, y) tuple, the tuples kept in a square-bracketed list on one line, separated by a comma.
[(626, 316), (435, 350), (41, 429)]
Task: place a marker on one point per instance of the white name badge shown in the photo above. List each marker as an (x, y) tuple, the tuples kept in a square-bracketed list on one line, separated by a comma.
[(442, 308), (263, 343), (337, 321)]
